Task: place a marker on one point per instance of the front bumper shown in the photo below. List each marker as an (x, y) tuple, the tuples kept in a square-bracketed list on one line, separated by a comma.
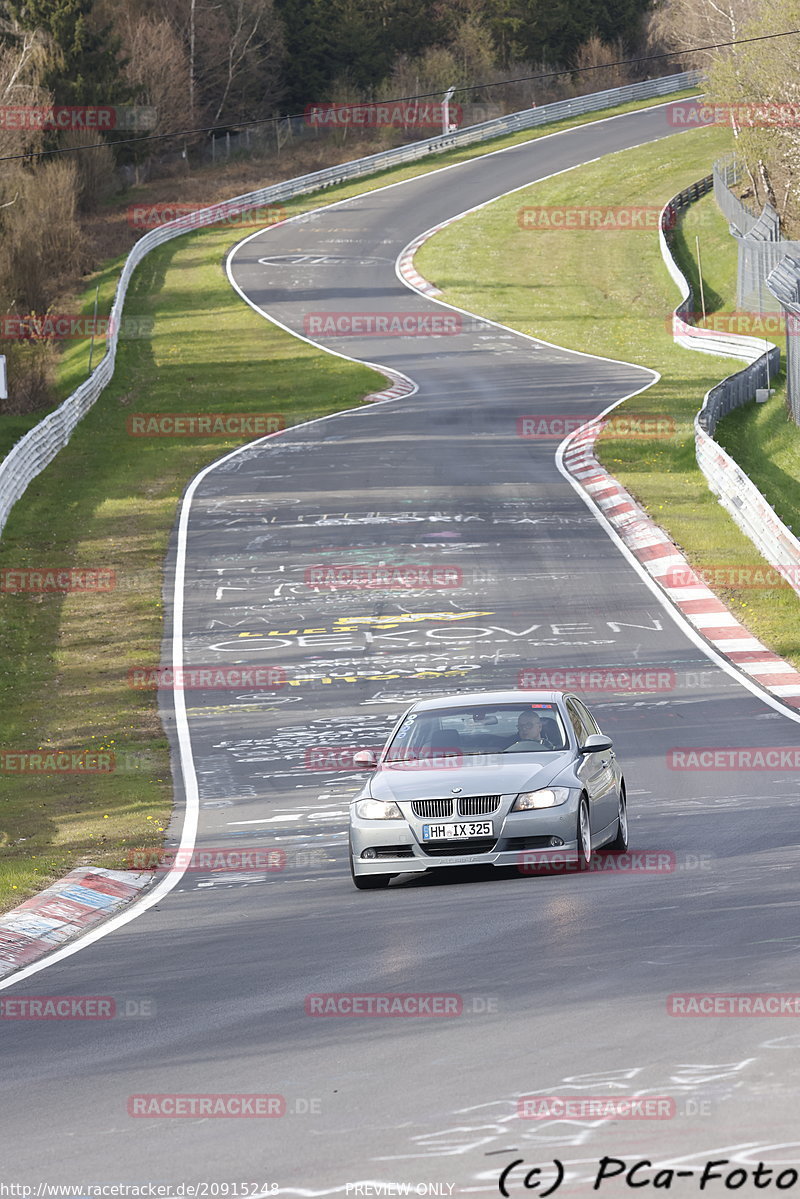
[(519, 839)]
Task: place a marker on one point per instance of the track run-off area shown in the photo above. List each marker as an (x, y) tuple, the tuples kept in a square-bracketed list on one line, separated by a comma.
[(563, 982)]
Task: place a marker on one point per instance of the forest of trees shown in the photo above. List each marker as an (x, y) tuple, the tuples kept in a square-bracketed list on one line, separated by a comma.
[(200, 62), (194, 64)]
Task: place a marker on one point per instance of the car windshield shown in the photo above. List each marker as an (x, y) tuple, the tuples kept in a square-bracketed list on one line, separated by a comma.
[(514, 728)]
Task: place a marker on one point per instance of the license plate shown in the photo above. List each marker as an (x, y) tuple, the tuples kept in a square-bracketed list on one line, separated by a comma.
[(453, 832)]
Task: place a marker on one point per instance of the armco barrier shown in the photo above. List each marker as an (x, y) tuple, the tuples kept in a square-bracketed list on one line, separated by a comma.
[(39, 446), (759, 244), (784, 283), (737, 494)]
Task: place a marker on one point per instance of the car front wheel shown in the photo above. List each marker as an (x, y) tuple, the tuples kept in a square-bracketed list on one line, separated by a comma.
[(584, 835), (620, 842), (371, 882), (368, 882)]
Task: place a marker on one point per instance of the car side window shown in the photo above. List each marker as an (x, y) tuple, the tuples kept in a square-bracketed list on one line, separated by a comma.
[(576, 722), (588, 720)]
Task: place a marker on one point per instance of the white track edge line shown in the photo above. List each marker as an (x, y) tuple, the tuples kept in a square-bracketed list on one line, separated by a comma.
[(191, 793)]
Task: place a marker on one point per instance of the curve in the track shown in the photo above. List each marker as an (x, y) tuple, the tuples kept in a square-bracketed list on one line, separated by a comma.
[(564, 980)]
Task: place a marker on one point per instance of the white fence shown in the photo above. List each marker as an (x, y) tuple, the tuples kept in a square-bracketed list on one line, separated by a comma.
[(39, 446), (734, 490)]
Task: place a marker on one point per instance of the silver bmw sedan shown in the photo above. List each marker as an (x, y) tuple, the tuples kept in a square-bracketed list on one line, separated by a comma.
[(499, 778)]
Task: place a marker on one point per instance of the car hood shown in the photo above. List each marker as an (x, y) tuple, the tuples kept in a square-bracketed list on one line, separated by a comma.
[(497, 774)]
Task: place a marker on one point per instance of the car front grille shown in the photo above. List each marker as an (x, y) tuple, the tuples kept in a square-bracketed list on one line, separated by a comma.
[(450, 849), (468, 805), (478, 805), (432, 809)]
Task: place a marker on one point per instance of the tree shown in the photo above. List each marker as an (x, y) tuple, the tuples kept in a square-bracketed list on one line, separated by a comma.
[(759, 85), (84, 66), (680, 25), (357, 40), (532, 30), (157, 69), (593, 61), (239, 68)]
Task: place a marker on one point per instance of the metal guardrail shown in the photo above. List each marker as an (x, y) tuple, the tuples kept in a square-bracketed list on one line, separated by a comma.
[(735, 491), (759, 243), (742, 217), (784, 284), (39, 446)]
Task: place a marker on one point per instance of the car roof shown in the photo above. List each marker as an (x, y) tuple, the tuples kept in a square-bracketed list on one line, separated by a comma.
[(476, 698)]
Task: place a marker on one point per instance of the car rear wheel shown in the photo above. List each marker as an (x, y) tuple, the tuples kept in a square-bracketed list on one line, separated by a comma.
[(584, 835), (620, 842)]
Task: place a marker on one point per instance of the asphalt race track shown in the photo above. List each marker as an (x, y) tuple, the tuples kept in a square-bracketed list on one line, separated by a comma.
[(563, 980)]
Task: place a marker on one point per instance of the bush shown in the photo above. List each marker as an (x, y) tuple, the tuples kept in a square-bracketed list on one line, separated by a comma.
[(41, 244), (30, 367)]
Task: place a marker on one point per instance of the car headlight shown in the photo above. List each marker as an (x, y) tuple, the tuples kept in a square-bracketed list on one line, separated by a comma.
[(548, 797), (378, 809)]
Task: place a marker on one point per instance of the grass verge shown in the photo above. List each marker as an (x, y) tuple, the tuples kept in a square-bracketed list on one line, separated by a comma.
[(109, 501), (608, 293)]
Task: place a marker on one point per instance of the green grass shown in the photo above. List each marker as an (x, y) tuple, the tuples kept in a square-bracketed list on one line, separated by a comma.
[(608, 293), (109, 500)]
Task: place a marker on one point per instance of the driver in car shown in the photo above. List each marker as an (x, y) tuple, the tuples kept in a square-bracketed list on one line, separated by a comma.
[(529, 732)]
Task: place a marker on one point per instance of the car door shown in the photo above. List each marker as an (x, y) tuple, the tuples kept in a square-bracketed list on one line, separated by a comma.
[(608, 795), (591, 770)]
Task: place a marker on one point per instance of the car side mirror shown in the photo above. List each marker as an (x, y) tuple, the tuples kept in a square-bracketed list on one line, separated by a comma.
[(596, 744), (365, 757)]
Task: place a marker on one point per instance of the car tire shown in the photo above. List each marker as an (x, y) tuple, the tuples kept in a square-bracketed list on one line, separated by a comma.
[(584, 835), (620, 842), (368, 882), (371, 882)]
